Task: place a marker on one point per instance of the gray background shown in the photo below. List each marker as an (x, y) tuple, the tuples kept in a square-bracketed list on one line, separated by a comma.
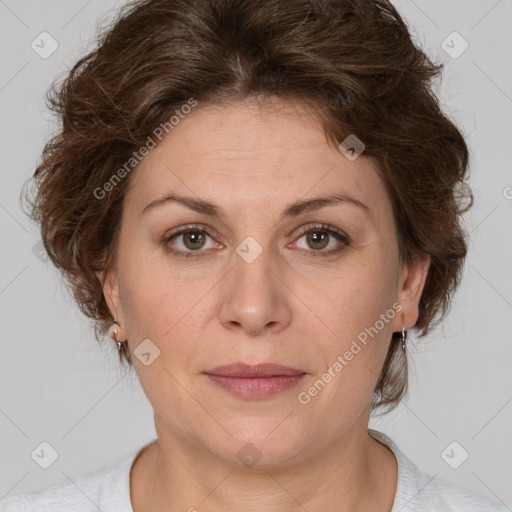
[(57, 385)]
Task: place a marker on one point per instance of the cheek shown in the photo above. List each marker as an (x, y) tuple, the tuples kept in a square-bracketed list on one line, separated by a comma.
[(356, 305), (164, 306), (354, 296), (150, 302)]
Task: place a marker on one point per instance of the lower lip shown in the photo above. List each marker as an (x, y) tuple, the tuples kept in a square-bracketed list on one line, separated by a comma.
[(261, 387)]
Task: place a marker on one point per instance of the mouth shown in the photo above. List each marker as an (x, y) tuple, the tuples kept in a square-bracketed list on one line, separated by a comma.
[(253, 382)]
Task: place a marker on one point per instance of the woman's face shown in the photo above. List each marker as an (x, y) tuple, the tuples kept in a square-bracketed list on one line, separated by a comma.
[(273, 276)]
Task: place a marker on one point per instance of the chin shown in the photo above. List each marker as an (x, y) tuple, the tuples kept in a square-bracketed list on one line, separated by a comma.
[(262, 442)]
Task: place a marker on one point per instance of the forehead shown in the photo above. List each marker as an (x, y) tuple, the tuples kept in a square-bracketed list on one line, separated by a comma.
[(246, 157)]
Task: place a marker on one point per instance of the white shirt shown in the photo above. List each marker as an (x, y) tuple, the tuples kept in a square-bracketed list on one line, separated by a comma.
[(108, 490)]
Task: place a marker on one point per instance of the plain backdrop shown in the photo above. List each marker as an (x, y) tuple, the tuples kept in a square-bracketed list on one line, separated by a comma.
[(57, 385)]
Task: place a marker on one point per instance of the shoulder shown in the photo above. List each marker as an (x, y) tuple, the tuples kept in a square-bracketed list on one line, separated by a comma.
[(106, 489), (445, 496), (14, 504), (420, 492), (57, 497)]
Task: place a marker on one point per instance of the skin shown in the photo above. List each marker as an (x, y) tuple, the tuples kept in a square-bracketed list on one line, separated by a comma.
[(285, 307)]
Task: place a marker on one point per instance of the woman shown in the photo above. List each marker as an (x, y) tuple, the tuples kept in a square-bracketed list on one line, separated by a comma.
[(257, 200)]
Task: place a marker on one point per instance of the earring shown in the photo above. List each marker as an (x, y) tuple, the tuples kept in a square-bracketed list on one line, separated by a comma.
[(113, 334), (404, 337)]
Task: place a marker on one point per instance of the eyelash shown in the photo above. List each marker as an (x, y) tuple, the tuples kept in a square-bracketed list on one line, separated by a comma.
[(339, 235)]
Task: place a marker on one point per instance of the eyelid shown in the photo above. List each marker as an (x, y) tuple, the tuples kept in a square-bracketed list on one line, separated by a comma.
[(322, 227), (192, 227), (343, 237)]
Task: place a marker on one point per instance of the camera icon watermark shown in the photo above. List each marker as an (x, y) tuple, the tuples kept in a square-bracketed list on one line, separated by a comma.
[(249, 249), (352, 147), (454, 455), (44, 455), (39, 251), (146, 352), (454, 45), (44, 45), (249, 455)]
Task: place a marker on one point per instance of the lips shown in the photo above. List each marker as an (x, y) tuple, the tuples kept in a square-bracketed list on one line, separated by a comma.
[(243, 370), (255, 382)]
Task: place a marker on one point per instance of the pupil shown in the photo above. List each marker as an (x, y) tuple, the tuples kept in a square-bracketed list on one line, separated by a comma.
[(314, 238), (196, 239)]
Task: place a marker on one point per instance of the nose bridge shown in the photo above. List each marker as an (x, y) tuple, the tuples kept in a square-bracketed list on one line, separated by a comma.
[(254, 300), (254, 254), (251, 273)]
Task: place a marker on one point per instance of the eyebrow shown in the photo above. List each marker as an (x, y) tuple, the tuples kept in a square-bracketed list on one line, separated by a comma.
[(292, 210)]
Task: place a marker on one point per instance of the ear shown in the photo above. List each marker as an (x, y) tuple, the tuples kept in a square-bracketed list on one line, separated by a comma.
[(109, 284), (410, 287)]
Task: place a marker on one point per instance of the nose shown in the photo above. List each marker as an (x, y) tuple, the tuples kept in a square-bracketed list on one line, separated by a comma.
[(255, 299)]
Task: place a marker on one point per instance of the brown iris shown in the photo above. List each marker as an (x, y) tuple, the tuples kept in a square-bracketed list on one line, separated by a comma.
[(315, 237)]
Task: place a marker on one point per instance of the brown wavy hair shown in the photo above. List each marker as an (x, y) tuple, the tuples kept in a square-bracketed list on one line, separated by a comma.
[(353, 61)]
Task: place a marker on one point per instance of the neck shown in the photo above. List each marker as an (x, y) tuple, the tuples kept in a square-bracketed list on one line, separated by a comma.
[(356, 473)]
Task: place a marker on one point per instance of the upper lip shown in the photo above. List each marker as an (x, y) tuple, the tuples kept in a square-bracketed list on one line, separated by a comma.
[(259, 370)]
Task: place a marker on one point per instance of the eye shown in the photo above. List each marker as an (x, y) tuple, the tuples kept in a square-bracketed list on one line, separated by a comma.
[(188, 239), (322, 236)]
